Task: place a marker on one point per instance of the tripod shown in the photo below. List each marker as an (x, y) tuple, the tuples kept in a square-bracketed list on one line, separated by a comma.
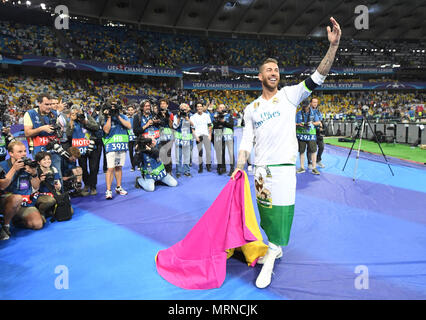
[(358, 135)]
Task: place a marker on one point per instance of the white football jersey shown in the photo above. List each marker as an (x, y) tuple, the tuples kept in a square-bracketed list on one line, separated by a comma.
[(272, 125)]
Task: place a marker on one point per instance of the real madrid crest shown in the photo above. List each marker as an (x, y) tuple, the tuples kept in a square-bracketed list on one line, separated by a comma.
[(256, 104), (275, 100)]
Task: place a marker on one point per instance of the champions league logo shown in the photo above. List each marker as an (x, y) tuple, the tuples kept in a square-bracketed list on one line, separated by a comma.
[(210, 68), (395, 85), (59, 63)]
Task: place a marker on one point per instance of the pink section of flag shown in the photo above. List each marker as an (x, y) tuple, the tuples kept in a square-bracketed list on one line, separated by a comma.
[(199, 260)]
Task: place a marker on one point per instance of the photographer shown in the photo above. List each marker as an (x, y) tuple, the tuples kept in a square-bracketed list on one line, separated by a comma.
[(80, 130), (40, 127), (183, 137), (146, 124), (203, 135), (152, 168), (71, 173), (17, 185), (5, 138), (223, 129), (166, 135), (306, 120), (130, 114), (320, 135), (49, 180), (99, 147), (116, 141)]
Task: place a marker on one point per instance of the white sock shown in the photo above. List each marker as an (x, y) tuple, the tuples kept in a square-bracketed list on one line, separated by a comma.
[(273, 246)]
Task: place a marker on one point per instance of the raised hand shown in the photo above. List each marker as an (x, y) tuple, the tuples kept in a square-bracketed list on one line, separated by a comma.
[(335, 34)]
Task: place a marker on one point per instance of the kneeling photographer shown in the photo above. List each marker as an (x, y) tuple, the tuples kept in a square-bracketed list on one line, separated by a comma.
[(50, 184), (81, 130), (19, 179), (152, 169)]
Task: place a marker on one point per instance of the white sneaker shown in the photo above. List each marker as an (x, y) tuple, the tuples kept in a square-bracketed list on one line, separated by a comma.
[(264, 278), (120, 191), (310, 166), (108, 195), (320, 164)]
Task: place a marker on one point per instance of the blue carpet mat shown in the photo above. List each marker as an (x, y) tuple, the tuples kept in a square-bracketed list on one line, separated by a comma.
[(108, 248)]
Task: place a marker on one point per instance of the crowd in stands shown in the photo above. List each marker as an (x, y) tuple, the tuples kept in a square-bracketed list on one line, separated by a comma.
[(19, 39), (20, 91), (124, 45)]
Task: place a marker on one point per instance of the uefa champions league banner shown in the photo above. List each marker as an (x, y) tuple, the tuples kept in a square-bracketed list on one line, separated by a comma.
[(222, 85), (225, 70), (235, 85), (372, 85), (82, 65)]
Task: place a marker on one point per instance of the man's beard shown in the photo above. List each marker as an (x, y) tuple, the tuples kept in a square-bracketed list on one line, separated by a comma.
[(267, 86)]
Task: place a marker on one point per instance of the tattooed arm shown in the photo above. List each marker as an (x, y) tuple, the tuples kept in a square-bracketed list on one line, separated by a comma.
[(242, 159), (334, 38)]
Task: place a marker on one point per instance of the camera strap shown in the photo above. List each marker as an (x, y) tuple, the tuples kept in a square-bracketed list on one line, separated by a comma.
[(43, 122)]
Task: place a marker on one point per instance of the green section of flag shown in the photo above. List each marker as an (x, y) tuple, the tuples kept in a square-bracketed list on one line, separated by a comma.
[(276, 221)]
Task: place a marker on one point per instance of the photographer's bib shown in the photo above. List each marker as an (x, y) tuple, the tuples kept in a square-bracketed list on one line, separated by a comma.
[(306, 134), (228, 134), (80, 138), (132, 136), (151, 133), (81, 143), (3, 150), (166, 134), (118, 142), (39, 142), (152, 169), (184, 137)]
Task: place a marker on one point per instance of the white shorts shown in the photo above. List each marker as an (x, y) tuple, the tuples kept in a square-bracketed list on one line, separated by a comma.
[(115, 159)]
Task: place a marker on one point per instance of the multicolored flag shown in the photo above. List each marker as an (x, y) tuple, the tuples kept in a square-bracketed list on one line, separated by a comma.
[(199, 260)]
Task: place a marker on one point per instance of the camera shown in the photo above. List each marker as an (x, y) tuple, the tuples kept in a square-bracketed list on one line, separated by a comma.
[(91, 146), (55, 146), (114, 109), (143, 143), (220, 115), (182, 114), (72, 184), (49, 177), (29, 162), (80, 117)]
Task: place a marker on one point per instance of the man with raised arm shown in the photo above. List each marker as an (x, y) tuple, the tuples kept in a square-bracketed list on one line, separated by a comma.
[(270, 122)]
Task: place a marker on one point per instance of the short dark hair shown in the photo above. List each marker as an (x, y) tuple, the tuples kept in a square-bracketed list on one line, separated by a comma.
[(163, 99), (41, 155), (43, 95)]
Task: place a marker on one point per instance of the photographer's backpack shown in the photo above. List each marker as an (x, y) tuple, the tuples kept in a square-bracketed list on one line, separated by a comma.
[(62, 211)]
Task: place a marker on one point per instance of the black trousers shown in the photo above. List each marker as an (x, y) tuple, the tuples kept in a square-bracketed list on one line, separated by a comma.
[(91, 161), (132, 153)]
